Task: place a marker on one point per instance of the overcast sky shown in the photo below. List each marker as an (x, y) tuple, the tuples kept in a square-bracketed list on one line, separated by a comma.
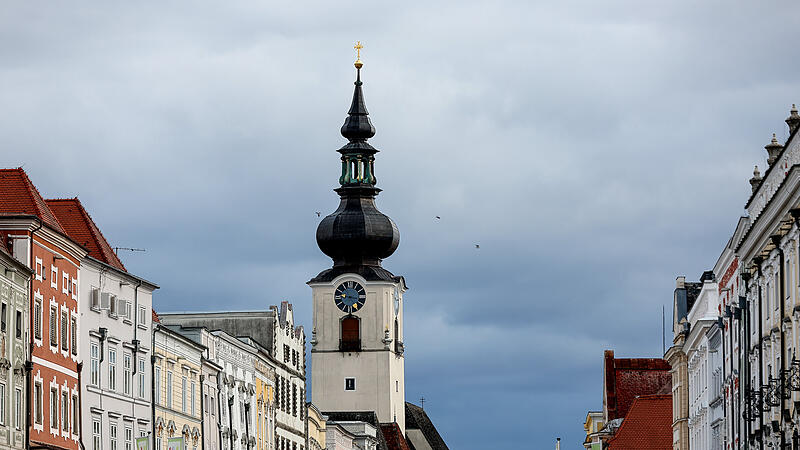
[(594, 150)]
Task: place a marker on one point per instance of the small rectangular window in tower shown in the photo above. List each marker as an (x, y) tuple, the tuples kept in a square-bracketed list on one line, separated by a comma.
[(349, 384)]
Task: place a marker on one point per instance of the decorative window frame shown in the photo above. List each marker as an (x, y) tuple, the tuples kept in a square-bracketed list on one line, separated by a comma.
[(54, 277), (39, 268), (64, 389), (53, 303), (53, 384), (75, 396), (64, 283), (76, 339), (75, 289), (37, 378), (63, 310), (38, 297)]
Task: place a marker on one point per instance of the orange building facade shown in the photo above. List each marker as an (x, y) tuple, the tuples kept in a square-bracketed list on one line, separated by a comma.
[(32, 233)]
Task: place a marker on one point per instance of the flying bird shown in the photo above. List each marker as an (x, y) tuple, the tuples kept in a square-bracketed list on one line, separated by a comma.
[(318, 213), (438, 217), (477, 246)]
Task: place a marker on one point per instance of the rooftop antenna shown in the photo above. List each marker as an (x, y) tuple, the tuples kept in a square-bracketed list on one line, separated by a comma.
[(117, 249), (422, 402)]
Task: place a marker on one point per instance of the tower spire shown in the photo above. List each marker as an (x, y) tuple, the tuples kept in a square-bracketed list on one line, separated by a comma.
[(357, 236)]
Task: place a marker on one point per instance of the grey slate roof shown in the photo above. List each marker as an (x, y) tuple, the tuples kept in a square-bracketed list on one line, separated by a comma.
[(416, 418)]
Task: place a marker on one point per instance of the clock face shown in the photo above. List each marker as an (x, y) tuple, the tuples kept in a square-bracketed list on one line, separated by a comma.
[(350, 297), (396, 301)]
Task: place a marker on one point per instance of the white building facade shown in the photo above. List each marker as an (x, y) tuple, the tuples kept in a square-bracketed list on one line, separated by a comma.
[(115, 317)]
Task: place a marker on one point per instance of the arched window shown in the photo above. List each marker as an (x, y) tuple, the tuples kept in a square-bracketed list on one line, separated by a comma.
[(351, 336)]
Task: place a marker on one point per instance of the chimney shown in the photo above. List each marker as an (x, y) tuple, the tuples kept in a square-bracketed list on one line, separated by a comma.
[(680, 282)]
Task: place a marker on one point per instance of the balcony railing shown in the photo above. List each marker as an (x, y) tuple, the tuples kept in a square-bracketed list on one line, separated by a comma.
[(350, 345)]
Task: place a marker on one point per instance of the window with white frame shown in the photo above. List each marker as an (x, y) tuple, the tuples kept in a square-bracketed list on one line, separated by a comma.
[(126, 373), (53, 326), (65, 284), (183, 394), (37, 402), (74, 334), (96, 443), (192, 397), (2, 403), (169, 389), (37, 319), (18, 408), (75, 414), (157, 387), (74, 289), (64, 331), (128, 438), (3, 315), (54, 277), (65, 410), (112, 368), (18, 325), (94, 298), (141, 378), (112, 432), (39, 269), (53, 408), (94, 354), (142, 316)]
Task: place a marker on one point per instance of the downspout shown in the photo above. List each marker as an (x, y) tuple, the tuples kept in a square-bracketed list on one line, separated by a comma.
[(782, 289), (80, 407), (135, 342), (219, 414), (758, 262), (153, 380), (730, 350), (230, 421), (721, 325), (247, 426), (744, 359), (29, 362)]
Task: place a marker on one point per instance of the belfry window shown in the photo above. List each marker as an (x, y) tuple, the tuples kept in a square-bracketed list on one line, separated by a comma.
[(351, 336)]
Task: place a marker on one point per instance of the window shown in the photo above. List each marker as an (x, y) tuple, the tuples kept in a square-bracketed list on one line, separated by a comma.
[(37, 402), (169, 389), (141, 378), (54, 277), (192, 399), (112, 369), (18, 324), (113, 436), (183, 394), (349, 384), (75, 415), (2, 403), (53, 326), (157, 377), (18, 408), (286, 353), (351, 337), (126, 375), (294, 399), (128, 438), (96, 434), (39, 269), (65, 410), (3, 311), (142, 315), (37, 319), (64, 282), (53, 408), (64, 333), (94, 354), (112, 306), (74, 336)]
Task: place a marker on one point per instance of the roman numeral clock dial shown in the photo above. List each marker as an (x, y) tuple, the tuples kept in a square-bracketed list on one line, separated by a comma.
[(350, 297)]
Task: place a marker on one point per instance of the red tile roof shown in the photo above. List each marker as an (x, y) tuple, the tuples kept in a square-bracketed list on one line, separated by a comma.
[(155, 317), (79, 226), (625, 379), (20, 197), (394, 437), (647, 426)]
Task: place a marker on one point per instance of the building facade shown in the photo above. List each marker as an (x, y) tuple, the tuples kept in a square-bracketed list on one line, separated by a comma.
[(177, 364), (115, 318), (15, 279), (30, 230)]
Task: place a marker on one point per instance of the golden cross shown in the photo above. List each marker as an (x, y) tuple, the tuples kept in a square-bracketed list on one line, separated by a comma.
[(358, 48)]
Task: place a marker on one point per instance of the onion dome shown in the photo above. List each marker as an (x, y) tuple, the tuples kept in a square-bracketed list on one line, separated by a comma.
[(773, 150), (793, 120), (756, 180), (357, 236)]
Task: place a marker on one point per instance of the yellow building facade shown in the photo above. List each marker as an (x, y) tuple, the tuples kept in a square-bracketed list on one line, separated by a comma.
[(265, 403), (176, 388)]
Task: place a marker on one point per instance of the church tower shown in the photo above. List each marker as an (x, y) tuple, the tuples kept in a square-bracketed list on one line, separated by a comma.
[(357, 338)]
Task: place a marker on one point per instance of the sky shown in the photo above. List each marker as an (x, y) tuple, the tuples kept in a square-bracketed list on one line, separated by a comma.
[(594, 150)]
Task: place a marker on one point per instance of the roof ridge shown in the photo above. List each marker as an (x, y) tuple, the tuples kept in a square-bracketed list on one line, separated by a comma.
[(95, 230)]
